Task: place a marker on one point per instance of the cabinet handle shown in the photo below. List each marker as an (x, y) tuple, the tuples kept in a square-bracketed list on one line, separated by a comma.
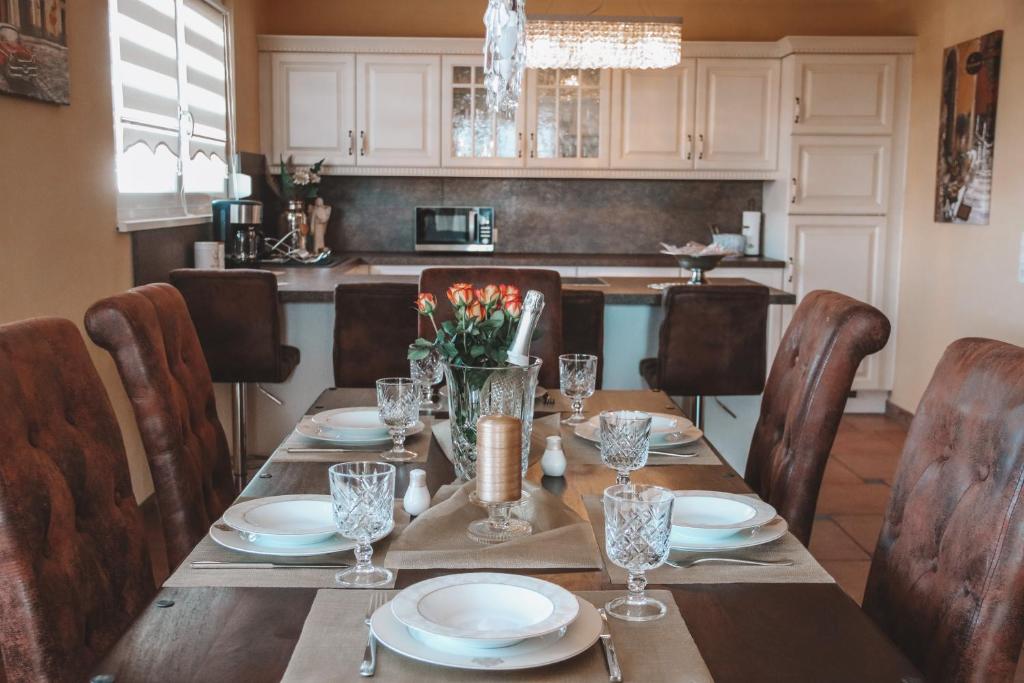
[(796, 111), (700, 149), (796, 188), (362, 143), (351, 144), (790, 278), (519, 147), (689, 146), (533, 145)]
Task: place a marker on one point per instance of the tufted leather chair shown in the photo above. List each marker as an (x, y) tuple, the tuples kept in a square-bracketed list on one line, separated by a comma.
[(148, 332), (373, 327), (547, 343), (583, 324), (947, 577), (74, 565), (828, 337)]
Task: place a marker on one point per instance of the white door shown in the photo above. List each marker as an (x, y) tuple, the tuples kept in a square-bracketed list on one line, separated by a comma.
[(737, 114), (840, 174), (567, 118), (852, 94), (314, 108), (845, 254), (398, 112), (471, 134), (652, 117)]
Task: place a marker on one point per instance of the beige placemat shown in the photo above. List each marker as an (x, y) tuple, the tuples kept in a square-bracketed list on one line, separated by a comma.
[(417, 443), (207, 549), (437, 539), (333, 638), (805, 569)]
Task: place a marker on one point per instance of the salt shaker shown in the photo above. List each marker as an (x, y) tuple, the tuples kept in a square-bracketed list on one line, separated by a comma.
[(553, 461), (417, 498)]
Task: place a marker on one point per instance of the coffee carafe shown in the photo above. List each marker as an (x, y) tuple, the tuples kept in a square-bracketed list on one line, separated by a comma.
[(237, 223)]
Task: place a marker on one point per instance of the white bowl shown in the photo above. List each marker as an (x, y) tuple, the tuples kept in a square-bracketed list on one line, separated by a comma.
[(284, 520), (709, 515)]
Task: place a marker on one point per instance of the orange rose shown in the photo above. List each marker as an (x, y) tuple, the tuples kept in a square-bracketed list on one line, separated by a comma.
[(489, 295), (475, 311), (460, 294), (514, 307), (426, 303), (509, 291)]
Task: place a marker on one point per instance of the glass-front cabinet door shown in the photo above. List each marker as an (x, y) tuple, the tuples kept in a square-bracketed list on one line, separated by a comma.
[(568, 118), (475, 136)]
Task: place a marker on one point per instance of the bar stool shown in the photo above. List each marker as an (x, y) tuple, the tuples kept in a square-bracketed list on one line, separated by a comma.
[(712, 342), (373, 327), (237, 317), (583, 325)]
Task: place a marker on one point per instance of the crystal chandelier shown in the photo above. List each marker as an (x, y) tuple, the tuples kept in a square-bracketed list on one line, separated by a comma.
[(603, 43), (504, 53)]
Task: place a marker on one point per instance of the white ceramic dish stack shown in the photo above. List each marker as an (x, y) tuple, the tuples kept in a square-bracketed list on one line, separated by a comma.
[(290, 526), (712, 520), (666, 430), (349, 427)]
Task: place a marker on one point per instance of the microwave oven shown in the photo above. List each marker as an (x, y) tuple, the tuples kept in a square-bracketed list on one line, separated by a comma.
[(455, 228)]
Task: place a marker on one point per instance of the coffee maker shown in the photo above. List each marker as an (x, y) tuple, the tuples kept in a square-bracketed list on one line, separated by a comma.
[(236, 223)]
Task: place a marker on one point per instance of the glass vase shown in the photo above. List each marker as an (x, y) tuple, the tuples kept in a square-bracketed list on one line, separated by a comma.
[(477, 391)]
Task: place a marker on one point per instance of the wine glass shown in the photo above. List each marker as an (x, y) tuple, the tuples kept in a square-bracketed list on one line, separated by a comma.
[(577, 374), (637, 525), (625, 440), (363, 502), (428, 371), (398, 404)]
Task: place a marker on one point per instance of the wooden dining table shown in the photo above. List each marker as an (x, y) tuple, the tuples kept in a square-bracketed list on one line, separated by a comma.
[(744, 631)]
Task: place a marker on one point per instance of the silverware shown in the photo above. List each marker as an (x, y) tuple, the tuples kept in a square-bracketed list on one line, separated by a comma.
[(334, 450), (608, 645), (689, 454), (368, 666), (216, 564), (683, 564)]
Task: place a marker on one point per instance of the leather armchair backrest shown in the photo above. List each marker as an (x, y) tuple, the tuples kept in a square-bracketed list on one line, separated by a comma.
[(373, 327), (712, 340), (804, 400), (547, 343), (236, 315), (74, 565), (148, 332), (583, 324), (947, 577)]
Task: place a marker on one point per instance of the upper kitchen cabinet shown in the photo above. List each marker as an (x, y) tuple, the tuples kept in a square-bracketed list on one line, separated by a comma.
[(836, 174), (313, 108), (472, 135), (652, 117), (737, 114), (844, 94), (567, 118), (398, 110)]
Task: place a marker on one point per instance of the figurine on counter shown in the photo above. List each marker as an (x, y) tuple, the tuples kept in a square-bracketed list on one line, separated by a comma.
[(319, 215)]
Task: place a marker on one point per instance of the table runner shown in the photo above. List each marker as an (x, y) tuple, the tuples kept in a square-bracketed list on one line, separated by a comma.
[(437, 539), (805, 568), (333, 639), (418, 443)]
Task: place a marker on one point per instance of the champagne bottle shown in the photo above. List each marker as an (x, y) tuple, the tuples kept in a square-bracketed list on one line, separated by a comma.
[(519, 351)]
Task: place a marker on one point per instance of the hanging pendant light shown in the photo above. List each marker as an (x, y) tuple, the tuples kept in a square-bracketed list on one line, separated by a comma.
[(603, 42), (504, 53)]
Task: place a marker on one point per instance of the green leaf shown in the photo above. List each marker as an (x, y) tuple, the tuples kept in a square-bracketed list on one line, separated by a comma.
[(418, 353), (449, 328), (477, 351)]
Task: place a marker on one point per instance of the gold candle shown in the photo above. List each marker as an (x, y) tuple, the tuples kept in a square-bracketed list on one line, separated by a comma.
[(499, 464)]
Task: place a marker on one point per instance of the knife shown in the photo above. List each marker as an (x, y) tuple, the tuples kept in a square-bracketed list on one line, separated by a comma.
[(610, 658), (214, 564)]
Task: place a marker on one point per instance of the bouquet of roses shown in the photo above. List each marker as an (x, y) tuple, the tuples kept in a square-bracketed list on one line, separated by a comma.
[(482, 330)]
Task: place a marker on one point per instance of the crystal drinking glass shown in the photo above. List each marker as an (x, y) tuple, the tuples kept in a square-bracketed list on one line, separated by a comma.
[(625, 440), (428, 371), (363, 501), (637, 524), (398, 404), (577, 374)]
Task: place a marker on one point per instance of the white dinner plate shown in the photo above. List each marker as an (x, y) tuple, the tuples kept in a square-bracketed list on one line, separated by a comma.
[(284, 520), (309, 430), (661, 423), (555, 647), (713, 514), (354, 423), (233, 540), (771, 531), (493, 610), (665, 440)]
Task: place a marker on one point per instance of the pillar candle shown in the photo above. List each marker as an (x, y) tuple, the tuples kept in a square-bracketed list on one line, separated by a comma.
[(499, 464)]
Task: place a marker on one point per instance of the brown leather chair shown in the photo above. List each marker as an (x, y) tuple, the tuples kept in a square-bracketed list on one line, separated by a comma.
[(583, 325), (947, 577), (712, 342), (828, 337), (547, 343), (150, 335), (73, 558), (373, 327)]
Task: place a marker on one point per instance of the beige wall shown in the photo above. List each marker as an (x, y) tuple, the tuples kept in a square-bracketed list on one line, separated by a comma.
[(57, 206), (960, 280)]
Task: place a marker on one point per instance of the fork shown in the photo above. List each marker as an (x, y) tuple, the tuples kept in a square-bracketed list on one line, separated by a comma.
[(683, 564), (368, 666)]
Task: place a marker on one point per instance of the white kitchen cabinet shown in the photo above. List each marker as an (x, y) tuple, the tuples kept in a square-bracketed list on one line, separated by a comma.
[(737, 120), (398, 110), (471, 134), (314, 108), (844, 94), (567, 118), (840, 174), (652, 117)]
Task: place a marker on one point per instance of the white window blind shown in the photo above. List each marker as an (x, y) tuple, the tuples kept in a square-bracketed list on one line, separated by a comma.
[(172, 108)]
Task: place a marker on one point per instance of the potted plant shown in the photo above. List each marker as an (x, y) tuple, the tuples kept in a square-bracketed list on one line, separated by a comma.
[(296, 186)]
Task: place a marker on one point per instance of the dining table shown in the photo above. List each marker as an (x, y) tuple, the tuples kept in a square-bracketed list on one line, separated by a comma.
[(744, 630)]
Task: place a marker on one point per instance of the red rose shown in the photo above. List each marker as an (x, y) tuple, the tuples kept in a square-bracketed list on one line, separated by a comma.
[(489, 295), (460, 294), (426, 303), (514, 307), (475, 311), (509, 291)]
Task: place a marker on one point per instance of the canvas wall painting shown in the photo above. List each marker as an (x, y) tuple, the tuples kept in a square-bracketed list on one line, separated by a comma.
[(967, 130), (33, 49)]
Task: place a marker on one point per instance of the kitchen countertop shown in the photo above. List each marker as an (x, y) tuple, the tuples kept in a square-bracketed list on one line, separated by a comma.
[(405, 258)]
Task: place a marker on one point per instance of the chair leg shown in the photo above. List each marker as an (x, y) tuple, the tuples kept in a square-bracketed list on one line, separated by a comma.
[(238, 410)]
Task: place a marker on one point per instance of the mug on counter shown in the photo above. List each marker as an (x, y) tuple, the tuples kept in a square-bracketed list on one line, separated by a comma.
[(209, 255)]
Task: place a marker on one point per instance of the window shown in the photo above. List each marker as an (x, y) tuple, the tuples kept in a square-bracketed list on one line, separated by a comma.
[(172, 108)]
